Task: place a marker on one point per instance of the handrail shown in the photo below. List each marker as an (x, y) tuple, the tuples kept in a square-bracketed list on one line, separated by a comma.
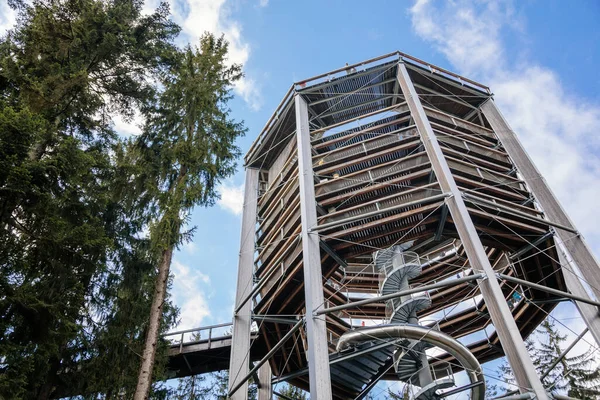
[(402, 56), (201, 328), (208, 328)]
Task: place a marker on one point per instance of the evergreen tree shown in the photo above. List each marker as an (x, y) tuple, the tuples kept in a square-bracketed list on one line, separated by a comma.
[(578, 376), (65, 239), (187, 148)]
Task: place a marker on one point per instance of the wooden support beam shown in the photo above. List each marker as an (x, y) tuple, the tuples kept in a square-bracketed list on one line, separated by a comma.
[(318, 353), (502, 318), (240, 345)]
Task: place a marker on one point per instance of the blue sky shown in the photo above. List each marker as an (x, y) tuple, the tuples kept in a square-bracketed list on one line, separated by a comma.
[(539, 57)]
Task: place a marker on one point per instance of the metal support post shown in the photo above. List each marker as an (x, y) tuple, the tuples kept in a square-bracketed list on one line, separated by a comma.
[(574, 244), (318, 351), (242, 321), (503, 321), (265, 390)]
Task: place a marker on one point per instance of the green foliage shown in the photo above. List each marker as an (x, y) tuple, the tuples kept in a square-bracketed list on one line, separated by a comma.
[(76, 278), (73, 276), (188, 145)]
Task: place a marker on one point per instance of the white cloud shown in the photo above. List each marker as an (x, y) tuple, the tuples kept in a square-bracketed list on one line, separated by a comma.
[(468, 41), (263, 3), (128, 128), (188, 295), (8, 17), (558, 129), (199, 16), (232, 198)]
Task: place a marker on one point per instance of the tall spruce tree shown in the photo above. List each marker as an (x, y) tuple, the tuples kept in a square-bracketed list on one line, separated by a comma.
[(187, 147), (65, 69), (124, 297)]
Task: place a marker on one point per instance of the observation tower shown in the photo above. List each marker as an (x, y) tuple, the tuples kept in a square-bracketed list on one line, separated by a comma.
[(394, 228)]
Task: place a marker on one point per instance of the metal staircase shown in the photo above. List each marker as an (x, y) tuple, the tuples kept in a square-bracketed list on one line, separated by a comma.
[(360, 366), (396, 268), (357, 367)]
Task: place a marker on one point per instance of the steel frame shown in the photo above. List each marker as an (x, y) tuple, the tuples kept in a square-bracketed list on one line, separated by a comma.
[(576, 246)]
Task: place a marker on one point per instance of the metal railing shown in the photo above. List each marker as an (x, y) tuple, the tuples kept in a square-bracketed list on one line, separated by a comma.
[(398, 260), (221, 328), (392, 305)]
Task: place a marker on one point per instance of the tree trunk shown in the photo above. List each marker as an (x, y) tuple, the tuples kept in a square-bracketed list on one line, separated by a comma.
[(160, 289)]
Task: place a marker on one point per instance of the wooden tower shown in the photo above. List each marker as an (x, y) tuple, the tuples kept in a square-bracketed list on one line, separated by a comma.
[(389, 212)]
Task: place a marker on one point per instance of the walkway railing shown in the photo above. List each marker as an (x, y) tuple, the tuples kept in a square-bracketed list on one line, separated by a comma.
[(195, 335), (179, 337)]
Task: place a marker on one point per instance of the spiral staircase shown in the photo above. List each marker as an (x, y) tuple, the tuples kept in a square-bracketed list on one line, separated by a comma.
[(408, 357)]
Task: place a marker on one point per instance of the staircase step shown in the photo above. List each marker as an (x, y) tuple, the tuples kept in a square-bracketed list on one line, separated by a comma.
[(429, 392)]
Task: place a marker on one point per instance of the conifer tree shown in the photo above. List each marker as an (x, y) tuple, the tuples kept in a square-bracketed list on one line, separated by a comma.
[(187, 147), (578, 376), (65, 69)]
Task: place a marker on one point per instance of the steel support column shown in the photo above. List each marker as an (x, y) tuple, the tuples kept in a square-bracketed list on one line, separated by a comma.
[(242, 321), (503, 321), (574, 244), (318, 351)]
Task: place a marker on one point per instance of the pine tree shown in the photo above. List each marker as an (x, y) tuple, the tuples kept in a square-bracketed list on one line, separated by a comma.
[(578, 375), (187, 148)]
